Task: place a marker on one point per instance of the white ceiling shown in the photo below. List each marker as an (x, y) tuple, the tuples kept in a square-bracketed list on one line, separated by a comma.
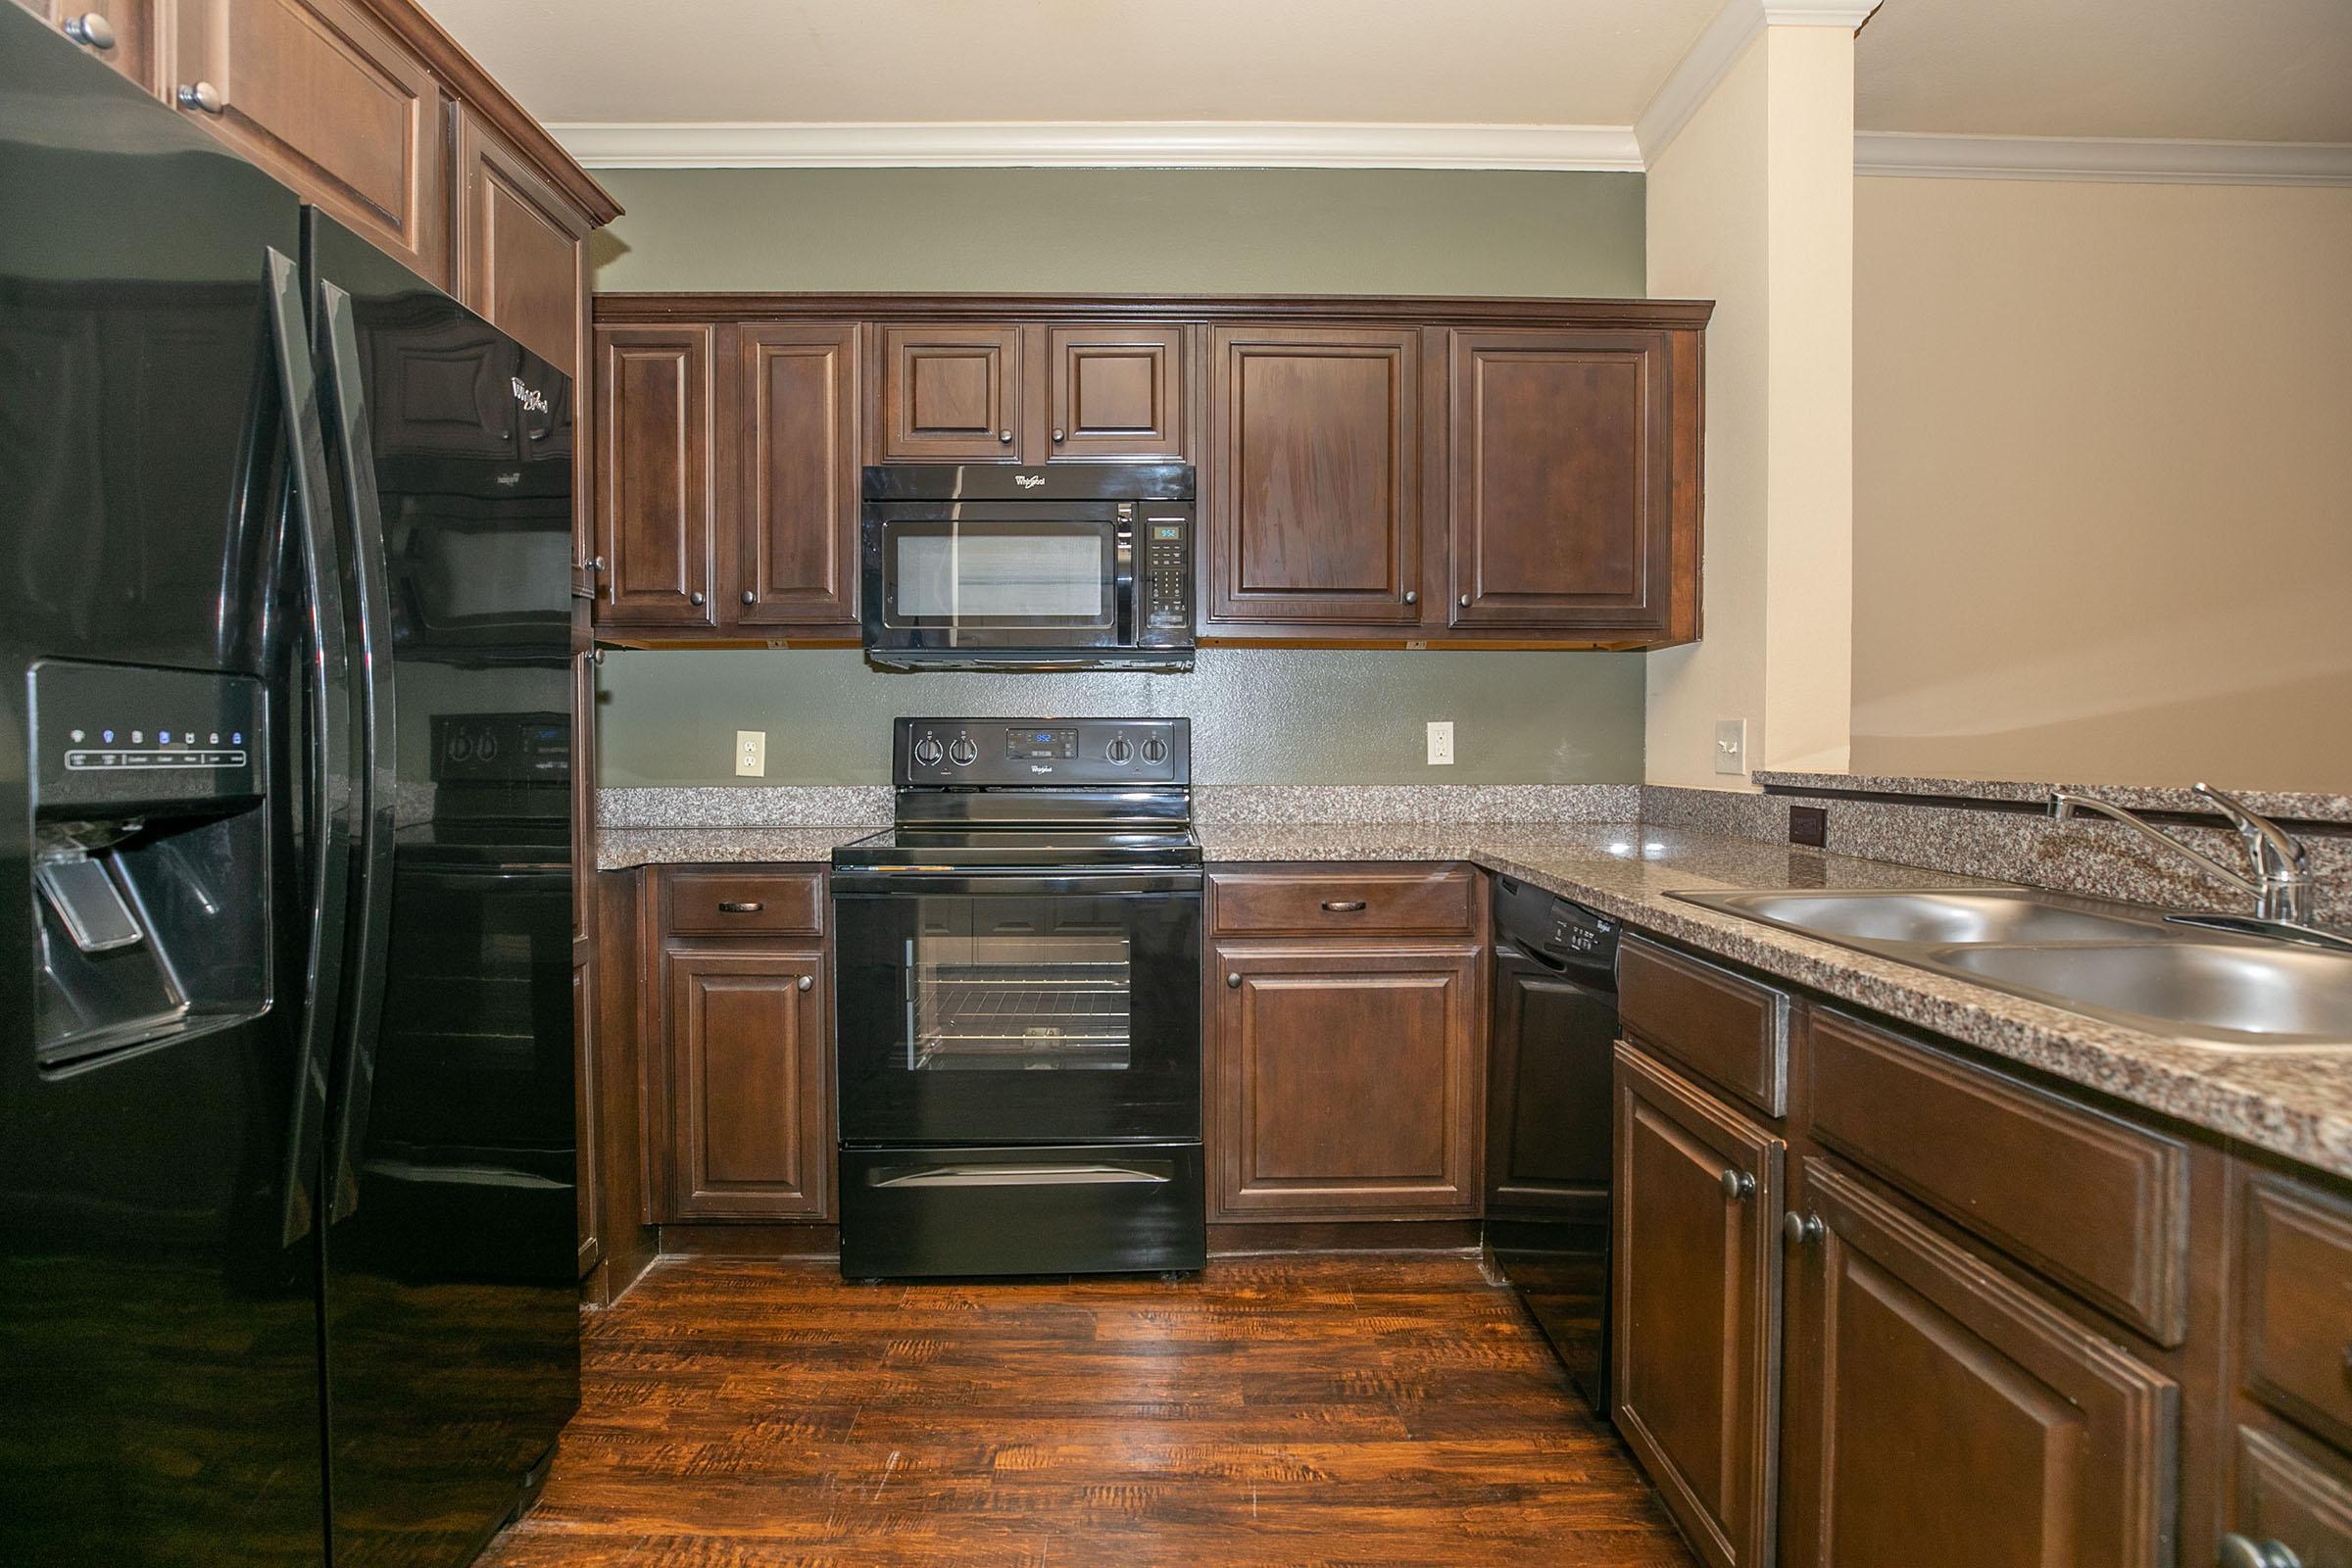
[(2199, 70), (1416, 62)]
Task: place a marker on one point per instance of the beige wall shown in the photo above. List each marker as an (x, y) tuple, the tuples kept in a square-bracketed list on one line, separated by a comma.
[(1751, 206), (2103, 482)]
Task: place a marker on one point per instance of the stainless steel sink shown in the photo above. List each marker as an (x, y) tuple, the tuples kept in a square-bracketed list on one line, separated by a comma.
[(2115, 961)]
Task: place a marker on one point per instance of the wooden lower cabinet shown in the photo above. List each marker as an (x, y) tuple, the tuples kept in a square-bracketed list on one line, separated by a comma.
[(1942, 1415), (2293, 1502), (1695, 1307), (750, 1048), (1344, 1081)]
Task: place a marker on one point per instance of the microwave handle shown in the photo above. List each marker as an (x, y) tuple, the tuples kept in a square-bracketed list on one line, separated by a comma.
[(1122, 588)]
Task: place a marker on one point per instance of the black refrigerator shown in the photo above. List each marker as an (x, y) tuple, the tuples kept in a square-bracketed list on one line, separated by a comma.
[(288, 1244)]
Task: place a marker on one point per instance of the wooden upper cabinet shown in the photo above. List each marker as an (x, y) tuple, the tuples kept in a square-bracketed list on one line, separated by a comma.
[(1942, 1416), (1314, 514), (657, 526), (950, 394), (1117, 392), (1694, 1304), (517, 242), (794, 533), (322, 96), (1345, 1082), (1561, 496), (135, 27)]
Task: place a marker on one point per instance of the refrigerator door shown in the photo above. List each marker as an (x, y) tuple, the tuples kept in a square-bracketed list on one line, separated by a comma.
[(158, 1229), (452, 1288)]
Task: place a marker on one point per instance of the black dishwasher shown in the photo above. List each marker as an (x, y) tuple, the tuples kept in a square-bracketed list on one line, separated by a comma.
[(1548, 1119)]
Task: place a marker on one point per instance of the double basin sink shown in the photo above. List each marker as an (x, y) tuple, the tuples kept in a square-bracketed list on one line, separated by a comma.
[(2139, 968)]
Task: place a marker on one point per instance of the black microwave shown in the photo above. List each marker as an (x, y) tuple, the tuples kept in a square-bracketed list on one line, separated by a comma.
[(993, 567)]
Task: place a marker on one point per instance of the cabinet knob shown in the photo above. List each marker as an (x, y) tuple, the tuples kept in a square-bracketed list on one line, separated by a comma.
[(200, 95), (806, 981), (1802, 1229), (91, 28), (2238, 1551), (1060, 435), (695, 597), (1464, 601), (1005, 436), (597, 565), (1234, 980), (749, 598), (1738, 1184), (1411, 598)]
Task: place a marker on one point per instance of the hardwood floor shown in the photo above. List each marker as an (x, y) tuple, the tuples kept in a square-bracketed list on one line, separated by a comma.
[(1356, 1410)]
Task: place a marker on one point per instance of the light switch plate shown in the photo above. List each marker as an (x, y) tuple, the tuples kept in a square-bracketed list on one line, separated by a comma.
[(1730, 745), (750, 753), (1441, 742)]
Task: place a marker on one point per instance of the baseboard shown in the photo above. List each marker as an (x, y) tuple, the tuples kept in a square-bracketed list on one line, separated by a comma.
[(800, 1243), (1233, 1239)]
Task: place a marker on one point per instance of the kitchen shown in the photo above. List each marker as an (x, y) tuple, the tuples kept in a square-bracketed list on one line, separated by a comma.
[(1409, 814)]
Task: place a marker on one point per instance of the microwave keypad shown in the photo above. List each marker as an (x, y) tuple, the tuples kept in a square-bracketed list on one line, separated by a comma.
[(1164, 571)]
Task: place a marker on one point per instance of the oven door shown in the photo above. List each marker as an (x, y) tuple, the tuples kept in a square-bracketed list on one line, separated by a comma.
[(1019, 1009), (971, 576)]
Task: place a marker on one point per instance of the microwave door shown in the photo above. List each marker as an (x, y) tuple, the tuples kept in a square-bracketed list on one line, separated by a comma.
[(963, 583)]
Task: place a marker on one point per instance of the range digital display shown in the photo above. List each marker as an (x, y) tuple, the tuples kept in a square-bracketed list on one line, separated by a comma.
[(1041, 744)]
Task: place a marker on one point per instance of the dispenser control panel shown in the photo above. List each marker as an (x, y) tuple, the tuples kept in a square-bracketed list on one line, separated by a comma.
[(109, 739)]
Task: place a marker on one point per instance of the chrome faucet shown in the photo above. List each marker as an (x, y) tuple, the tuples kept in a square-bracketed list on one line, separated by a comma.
[(2280, 881)]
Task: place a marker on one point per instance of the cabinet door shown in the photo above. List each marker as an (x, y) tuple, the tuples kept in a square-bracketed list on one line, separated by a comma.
[(1117, 392), (794, 531), (135, 27), (1944, 1416), (657, 526), (517, 245), (748, 1052), (319, 93), (1561, 481), (1315, 499), (1694, 1303), (2293, 1502), (950, 394), (1345, 1082)]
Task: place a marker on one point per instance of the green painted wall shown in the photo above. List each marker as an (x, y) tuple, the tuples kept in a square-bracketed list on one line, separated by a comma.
[(1259, 717), (1236, 232), (670, 716)]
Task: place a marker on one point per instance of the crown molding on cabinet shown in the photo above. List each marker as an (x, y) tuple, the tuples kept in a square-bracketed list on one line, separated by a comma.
[(1104, 144), (2107, 160), (1719, 47)]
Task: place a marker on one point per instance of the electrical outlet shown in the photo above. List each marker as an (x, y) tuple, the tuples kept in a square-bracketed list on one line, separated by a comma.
[(1441, 742), (1730, 745), (750, 753)]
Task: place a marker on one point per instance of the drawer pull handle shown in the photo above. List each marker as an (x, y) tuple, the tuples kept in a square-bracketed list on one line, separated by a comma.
[(740, 907), (1343, 905), (1738, 1184), (806, 981), (1234, 980), (2238, 1551), (1802, 1229)]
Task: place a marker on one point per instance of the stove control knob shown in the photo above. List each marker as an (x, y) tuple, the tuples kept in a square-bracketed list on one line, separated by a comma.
[(1156, 749), (927, 752), (1119, 750), (963, 752)]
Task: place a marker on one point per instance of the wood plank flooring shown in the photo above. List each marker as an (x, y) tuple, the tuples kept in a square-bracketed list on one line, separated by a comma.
[(1305, 1412)]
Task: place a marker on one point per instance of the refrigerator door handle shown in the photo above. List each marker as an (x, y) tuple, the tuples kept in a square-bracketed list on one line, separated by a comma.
[(364, 569), (325, 654)]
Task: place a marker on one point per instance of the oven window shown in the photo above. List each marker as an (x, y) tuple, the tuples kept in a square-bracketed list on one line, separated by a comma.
[(1016, 985), (1017, 572)]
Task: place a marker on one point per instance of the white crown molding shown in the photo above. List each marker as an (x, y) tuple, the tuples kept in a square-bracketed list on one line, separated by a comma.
[(1718, 47), (2109, 160), (1157, 144)]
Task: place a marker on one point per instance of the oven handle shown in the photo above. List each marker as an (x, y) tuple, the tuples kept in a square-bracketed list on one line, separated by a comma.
[(886, 882), (1088, 1175)]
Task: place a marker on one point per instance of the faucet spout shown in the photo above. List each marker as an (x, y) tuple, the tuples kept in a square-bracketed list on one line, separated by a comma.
[(2279, 880)]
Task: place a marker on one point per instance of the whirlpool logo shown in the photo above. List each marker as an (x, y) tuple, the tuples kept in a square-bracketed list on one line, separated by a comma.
[(1028, 482), (530, 398)]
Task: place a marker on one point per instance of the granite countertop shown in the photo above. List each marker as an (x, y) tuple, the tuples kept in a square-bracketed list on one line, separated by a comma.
[(2294, 1103), (619, 849), (2301, 806)]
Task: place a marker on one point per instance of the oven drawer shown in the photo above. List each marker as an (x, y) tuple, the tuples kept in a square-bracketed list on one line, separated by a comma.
[(1071, 1208), (747, 904)]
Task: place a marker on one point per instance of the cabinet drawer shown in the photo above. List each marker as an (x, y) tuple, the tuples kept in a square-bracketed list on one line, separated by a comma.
[(1724, 1025), (737, 903), (2018, 1166), (1385, 901), (2295, 1273)]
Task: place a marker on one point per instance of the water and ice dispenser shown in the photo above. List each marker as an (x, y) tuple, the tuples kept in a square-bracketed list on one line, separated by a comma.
[(151, 854)]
